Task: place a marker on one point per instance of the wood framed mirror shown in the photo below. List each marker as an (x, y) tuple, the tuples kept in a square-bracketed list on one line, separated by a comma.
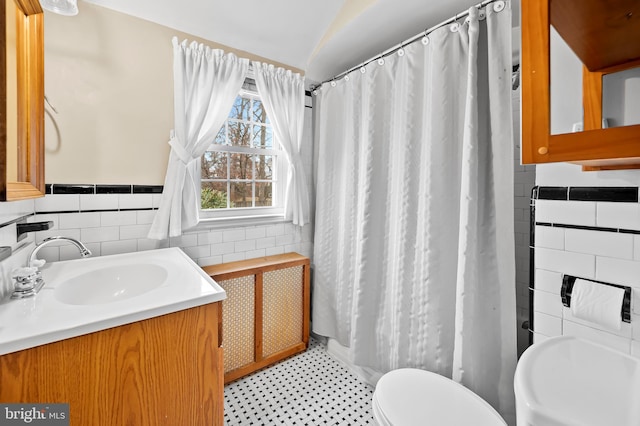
[(21, 100)]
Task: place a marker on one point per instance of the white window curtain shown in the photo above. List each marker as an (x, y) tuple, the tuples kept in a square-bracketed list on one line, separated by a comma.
[(206, 82), (282, 93), (414, 234)]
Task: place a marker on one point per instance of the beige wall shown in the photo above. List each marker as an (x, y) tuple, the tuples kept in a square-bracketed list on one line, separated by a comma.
[(110, 78)]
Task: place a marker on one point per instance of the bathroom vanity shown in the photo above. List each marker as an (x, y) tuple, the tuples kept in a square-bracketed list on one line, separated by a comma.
[(127, 351)]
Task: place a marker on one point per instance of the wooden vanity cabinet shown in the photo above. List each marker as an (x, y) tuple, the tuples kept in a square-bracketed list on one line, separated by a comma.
[(165, 370), (604, 36)]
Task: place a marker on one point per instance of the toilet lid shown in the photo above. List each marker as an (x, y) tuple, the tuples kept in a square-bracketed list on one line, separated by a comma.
[(409, 396)]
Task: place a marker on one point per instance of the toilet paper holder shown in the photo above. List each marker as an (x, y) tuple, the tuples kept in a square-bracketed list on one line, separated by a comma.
[(567, 288)]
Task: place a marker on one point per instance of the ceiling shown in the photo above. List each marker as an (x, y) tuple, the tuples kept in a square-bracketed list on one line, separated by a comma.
[(321, 38)]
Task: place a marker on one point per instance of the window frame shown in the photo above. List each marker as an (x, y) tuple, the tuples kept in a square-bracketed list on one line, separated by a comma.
[(279, 175)]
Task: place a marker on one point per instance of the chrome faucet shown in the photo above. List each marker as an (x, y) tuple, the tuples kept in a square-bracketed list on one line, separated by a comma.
[(28, 280), (84, 251)]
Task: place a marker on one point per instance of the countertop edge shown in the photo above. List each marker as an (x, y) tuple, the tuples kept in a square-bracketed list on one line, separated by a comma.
[(33, 341)]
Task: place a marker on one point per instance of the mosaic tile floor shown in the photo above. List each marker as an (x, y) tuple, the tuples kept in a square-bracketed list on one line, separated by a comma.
[(311, 388)]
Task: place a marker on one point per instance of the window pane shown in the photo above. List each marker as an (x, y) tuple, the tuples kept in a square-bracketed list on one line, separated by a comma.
[(264, 167), (240, 109), (241, 195), (259, 113), (239, 170), (221, 137), (241, 166), (213, 195), (264, 194), (239, 134), (262, 137), (214, 165)]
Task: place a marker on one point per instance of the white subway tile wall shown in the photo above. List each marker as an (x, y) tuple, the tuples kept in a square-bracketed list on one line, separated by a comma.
[(548, 325), (570, 328), (548, 281), (603, 255), (567, 212), (125, 230), (619, 215), (58, 203), (611, 244), (578, 264), (548, 237)]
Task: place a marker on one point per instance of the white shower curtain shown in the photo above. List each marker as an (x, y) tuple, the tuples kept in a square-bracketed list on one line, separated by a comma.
[(414, 251)]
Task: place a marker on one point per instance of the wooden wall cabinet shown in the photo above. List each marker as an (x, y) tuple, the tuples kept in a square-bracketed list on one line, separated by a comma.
[(266, 313), (604, 35), (165, 370)]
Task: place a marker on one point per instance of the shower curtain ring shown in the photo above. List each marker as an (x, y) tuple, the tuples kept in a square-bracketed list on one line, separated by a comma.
[(454, 25), (425, 39)]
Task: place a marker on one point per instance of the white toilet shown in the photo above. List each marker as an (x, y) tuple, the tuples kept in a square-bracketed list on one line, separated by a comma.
[(409, 396), (567, 381)]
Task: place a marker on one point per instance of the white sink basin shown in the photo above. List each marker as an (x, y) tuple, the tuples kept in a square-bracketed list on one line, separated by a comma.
[(110, 284), (87, 295), (566, 381)]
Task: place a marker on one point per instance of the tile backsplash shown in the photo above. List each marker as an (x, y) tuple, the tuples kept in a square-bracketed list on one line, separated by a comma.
[(592, 233), (118, 222)]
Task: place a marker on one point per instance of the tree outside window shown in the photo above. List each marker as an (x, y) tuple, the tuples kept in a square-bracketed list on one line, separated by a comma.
[(239, 168)]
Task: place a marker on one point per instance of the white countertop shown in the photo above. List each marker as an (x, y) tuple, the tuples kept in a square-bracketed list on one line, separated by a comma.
[(25, 323)]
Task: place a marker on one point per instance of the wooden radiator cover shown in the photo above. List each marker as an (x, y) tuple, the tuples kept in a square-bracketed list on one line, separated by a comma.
[(265, 317)]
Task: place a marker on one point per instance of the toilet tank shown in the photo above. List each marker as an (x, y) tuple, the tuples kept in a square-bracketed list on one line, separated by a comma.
[(568, 381)]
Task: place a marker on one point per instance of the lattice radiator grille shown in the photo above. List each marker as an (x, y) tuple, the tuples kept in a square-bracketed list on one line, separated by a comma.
[(282, 309), (238, 316)]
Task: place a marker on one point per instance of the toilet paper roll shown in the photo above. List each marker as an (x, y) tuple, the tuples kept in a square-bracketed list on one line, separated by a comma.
[(597, 303)]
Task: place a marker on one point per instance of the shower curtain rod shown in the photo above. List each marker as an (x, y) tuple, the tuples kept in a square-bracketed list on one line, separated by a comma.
[(405, 43)]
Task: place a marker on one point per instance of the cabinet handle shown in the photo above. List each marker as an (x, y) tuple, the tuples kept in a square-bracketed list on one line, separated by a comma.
[(543, 150)]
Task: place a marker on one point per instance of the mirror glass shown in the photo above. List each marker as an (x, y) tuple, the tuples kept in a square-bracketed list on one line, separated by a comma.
[(566, 86), (621, 98)]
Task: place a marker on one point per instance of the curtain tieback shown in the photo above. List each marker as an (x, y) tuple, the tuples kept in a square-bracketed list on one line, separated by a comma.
[(179, 150)]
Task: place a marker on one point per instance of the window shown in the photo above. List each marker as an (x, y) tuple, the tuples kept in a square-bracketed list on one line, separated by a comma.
[(240, 170)]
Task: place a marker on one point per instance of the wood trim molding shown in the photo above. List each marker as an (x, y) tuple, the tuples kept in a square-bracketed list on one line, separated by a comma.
[(258, 317), (535, 80), (592, 99)]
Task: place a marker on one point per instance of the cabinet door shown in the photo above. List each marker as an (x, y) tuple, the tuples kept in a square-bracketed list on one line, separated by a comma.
[(595, 148)]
